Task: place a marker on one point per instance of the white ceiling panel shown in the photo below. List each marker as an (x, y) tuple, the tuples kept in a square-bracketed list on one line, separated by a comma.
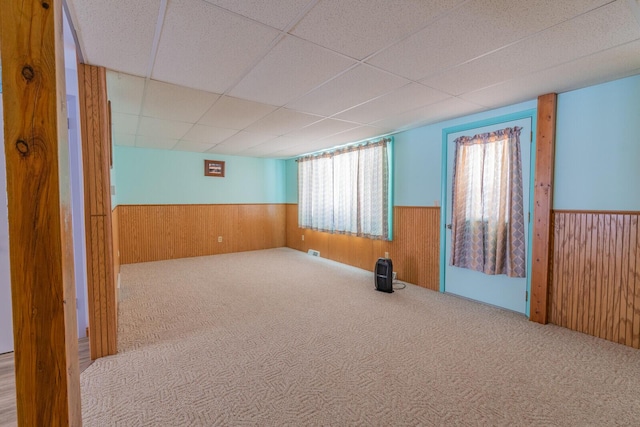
[(351, 88), (281, 122), (235, 113), (174, 102), (322, 129), (291, 152), (207, 48), (618, 62), (208, 134), (192, 146), (275, 13), (353, 135), (581, 36), (116, 36), (243, 140), (338, 65), (443, 110), (228, 150), (124, 123), (157, 143), (123, 139), (272, 146), (476, 28), (411, 96), (290, 70), (125, 92), (280, 143), (358, 28), (162, 128)]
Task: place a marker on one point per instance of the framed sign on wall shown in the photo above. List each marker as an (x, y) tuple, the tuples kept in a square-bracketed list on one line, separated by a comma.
[(214, 168)]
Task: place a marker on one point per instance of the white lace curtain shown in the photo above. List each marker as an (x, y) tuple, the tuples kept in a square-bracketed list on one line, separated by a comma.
[(487, 230), (346, 191)]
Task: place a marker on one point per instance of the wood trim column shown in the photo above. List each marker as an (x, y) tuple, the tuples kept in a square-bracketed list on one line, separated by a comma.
[(38, 189), (543, 204), (96, 147)]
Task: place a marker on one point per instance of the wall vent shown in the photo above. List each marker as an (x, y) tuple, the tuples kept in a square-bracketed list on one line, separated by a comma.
[(313, 252)]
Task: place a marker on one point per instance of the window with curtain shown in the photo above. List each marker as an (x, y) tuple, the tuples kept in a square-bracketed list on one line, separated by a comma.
[(347, 190), (487, 227)]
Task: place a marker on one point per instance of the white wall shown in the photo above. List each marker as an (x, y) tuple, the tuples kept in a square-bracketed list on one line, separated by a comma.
[(6, 324), (76, 178)]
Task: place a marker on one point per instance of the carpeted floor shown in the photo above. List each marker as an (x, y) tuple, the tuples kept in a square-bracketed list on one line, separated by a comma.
[(277, 338)]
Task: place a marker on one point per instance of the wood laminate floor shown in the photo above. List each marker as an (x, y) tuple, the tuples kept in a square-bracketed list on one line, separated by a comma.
[(8, 382)]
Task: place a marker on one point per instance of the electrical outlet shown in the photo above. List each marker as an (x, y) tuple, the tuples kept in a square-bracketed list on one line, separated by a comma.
[(386, 254), (219, 239), (303, 237)]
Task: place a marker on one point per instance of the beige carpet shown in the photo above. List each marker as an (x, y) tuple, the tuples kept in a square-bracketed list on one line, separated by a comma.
[(277, 337)]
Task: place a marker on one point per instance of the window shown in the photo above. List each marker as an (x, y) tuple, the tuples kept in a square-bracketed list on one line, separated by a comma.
[(488, 212), (347, 190)]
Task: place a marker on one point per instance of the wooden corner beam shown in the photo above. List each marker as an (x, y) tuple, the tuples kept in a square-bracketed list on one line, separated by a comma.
[(543, 205), (38, 190)]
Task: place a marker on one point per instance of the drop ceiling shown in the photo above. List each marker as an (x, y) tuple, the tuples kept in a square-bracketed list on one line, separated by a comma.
[(279, 78)]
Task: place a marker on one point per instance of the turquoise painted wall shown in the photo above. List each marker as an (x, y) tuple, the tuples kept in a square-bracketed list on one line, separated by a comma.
[(291, 184), (598, 147), (145, 176), (417, 160)]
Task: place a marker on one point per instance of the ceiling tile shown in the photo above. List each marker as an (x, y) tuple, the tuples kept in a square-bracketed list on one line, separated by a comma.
[(291, 69), (581, 36), (276, 13), (358, 28), (118, 37), (123, 139), (125, 92), (207, 134), (124, 123), (192, 146), (406, 98), (174, 102), (351, 88), (290, 152), (443, 110), (235, 113), (205, 47), (243, 140), (321, 129), (162, 128), (272, 146), (350, 136), (281, 122), (157, 143), (476, 28), (618, 62)]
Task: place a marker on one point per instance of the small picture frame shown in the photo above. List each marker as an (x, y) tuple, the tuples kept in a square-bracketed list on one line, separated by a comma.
[(214, 168)]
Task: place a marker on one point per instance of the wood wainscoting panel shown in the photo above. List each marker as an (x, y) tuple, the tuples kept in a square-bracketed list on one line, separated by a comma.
[(260, 227), (595, 284), (158, 232), (115, 226), (414, 250), (96, 159)]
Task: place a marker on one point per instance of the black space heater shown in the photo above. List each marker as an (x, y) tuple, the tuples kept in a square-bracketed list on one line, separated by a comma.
[(384, 275)]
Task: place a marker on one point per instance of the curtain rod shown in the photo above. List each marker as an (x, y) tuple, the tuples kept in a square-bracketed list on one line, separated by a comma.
[(387, 138)]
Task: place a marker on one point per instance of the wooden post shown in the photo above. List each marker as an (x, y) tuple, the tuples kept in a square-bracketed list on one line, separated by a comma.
[(543, 204), (38, 190), (96, 161)]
